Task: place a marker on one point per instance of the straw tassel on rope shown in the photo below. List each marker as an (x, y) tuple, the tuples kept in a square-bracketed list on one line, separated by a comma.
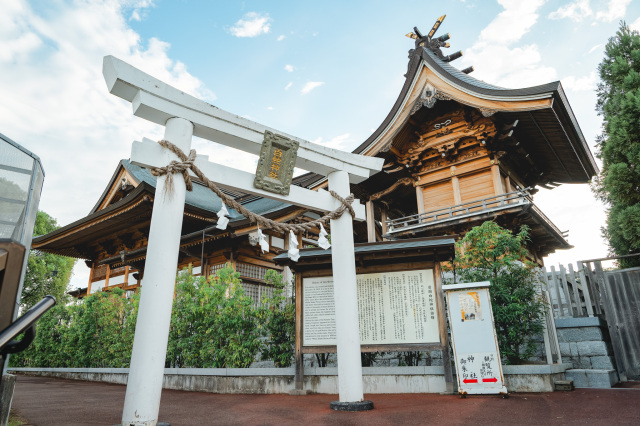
[(187, 163)]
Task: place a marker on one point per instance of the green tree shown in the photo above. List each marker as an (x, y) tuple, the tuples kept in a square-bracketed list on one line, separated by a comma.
[(491, 253), (278, 318), (213, 323), (96, 331), (46, 273), (618, 184)]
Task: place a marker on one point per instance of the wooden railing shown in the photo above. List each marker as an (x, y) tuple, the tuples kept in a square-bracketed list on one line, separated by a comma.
[(459, 211)]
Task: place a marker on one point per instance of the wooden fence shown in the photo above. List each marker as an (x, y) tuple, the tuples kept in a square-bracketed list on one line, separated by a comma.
[(611, 295), (574, 292)]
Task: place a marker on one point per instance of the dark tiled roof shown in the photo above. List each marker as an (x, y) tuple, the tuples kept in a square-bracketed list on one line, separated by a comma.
[(363, 248), (479, 86)]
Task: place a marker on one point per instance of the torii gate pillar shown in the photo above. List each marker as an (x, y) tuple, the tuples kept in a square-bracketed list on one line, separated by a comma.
[(345, 295), (146, 372)]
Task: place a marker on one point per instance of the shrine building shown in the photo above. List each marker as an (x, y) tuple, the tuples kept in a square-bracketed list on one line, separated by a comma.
[(458, 151)]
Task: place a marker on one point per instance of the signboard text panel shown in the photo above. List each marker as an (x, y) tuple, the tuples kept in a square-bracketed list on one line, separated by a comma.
[(394, 308)]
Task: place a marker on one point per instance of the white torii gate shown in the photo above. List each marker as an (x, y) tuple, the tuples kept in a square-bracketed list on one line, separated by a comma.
[(185, 116)]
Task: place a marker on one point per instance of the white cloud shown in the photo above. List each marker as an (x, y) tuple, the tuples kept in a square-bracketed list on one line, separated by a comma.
[(576, 84), (288, 68), (615, 10), (288, 86), (575, 11), (512, 23), (59, 106), (251, 25), (494, 58), (310, 85), (635, 25), (594, 48), (270, 108), (139, 9), (281, 37), (341, 142)]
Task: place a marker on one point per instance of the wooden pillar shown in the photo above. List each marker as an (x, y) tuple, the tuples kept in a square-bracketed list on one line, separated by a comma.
[(233, 259), (420, 199), (299, 377), (383, 220), (455, 184), (371, 222), (106, 279), (497, 182), (507, 181), (126, 277), (90, 279)]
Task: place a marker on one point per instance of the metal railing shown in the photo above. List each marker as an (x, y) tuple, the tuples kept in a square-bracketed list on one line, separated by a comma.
[(472, 208)]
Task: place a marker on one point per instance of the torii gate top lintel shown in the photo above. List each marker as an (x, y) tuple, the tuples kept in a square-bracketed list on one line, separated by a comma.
[(158, 102)]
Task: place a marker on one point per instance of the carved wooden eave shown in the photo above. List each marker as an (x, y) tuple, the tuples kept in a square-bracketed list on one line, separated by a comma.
[(547, 129)]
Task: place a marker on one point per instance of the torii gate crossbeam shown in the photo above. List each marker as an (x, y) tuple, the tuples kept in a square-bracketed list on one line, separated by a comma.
[(183, 117)]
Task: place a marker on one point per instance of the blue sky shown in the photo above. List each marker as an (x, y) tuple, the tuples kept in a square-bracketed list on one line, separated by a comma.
[(327, 72)]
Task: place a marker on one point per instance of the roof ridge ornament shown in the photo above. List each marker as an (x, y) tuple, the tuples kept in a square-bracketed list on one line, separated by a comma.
[(434, 44)]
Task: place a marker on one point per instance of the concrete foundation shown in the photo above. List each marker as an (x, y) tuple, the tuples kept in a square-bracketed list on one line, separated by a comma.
[(424, 379)]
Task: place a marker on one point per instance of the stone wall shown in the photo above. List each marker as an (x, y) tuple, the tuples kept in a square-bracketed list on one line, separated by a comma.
[(585, 343)]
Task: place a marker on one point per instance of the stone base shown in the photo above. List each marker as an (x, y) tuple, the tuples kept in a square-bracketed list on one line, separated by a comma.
[(563, 385), (602, 379), (299, 392), (352, 406)]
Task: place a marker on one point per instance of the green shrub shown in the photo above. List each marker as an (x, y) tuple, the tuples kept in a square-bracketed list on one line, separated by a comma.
[(278, 319), (491, 253), (213, 323)]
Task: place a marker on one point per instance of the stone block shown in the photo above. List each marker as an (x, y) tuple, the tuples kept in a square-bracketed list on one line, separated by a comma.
[(603, 379), (579, 322), (602, 363), (565, 350), (581, 334), (573, 346), (579, 377), (583, 362), (591, 348)]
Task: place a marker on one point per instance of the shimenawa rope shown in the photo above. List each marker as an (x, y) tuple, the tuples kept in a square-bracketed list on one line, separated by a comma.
[(187, 163)]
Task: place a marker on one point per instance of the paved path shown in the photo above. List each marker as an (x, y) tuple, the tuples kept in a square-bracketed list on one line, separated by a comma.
[(47, 401)]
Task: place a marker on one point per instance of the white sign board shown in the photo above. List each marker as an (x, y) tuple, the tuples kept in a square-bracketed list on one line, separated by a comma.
[(474, 341), (393, 308)]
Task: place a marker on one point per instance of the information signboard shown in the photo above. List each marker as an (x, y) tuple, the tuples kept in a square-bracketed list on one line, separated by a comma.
[(393, 308), (474, 341)]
